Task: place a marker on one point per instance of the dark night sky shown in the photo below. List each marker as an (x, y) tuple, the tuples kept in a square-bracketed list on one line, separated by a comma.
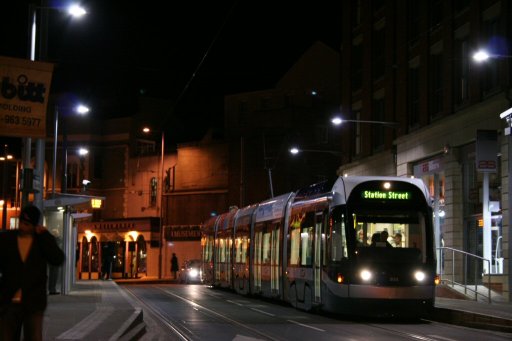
[(121, 50)]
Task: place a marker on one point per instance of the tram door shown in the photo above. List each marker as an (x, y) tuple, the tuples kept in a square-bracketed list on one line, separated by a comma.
[(317, 263), (275, 260)]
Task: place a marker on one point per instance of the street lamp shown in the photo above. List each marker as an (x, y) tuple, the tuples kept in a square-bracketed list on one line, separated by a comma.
[(75, 11), (79, 109), (147, 130), (482, 55), (337, 120), (297, 150)]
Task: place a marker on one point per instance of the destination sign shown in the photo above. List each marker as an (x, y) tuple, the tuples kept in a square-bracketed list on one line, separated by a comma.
[(387, 195)]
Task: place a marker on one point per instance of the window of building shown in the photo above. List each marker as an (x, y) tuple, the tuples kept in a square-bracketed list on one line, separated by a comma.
[(145, 147), (460, 5), (355, 9), (461, 68), (357, 67), (153, 185), (413, 22), (413, 97), (98, 165), (490, 75), (265, 103), (321, 134), (436, 13), (378, 114), (73, 174), (379, 53), (436, 85), (356, 116), (377, 5)]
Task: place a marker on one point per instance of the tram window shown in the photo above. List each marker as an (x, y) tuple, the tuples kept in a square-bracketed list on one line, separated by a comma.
[(266, 247), (306, 246), (245, 245), (337, 244), (222, 250), (295, 245), (409, 225), (257, 247), (238, 249)]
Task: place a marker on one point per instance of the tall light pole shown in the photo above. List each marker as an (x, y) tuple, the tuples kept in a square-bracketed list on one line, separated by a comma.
[(160, 210), (75, 11), (79, 109), (482, 56)]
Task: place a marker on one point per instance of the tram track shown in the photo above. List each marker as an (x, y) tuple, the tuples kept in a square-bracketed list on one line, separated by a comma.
[(181, 317), (180, 330)]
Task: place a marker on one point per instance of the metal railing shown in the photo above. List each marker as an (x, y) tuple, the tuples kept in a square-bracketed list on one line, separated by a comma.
[(442, 259)]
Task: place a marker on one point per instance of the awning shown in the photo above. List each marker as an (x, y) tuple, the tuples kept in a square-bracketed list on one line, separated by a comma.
[(61, 199)]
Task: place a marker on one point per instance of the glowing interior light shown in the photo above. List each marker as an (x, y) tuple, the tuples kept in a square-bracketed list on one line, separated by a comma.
[(437, 280), (341, 278)]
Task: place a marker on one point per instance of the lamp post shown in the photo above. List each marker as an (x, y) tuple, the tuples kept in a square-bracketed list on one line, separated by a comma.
[(74, 11), (147, 130), (79, 109)]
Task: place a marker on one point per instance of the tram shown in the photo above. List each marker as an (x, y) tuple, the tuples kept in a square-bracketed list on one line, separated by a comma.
[(329, 247)]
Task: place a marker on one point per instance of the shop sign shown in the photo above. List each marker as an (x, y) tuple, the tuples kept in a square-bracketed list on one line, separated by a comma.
[(183, 233), (487, 151), (24, 91)]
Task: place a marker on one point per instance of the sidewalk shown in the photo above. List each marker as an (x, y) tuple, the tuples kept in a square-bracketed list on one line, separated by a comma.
[(93, 310), (100, 310)]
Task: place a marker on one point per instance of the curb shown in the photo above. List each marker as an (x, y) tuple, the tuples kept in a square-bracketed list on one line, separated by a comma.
[(132, 329), (472, 320)]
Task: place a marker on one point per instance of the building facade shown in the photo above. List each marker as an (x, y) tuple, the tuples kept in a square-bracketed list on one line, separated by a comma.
[(411, 63)]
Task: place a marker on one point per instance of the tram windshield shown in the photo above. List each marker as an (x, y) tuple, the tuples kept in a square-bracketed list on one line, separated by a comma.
[(390, 228)]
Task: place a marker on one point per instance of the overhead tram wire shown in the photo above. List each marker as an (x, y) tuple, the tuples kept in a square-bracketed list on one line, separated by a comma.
[(187, 85)]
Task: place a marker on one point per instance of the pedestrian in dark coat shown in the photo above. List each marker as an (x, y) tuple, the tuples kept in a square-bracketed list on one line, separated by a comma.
[(24, 257), (174, 265)]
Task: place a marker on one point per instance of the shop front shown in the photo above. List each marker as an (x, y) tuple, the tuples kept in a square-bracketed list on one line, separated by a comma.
[(117, 249)]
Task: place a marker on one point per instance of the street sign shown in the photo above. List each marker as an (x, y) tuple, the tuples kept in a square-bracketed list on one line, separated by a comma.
[(24, 91)]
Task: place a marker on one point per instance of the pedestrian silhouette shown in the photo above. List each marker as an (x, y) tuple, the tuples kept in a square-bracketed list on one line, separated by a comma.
[(24, 257), (174, 265)]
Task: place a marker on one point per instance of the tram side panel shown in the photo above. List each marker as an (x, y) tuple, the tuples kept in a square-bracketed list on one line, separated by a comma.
[(305, 255), (208, 250), (266, 247)]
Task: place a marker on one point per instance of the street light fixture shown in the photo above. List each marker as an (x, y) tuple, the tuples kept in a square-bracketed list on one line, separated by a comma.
[(75, 11), (337, 120), (482, 55), (297, 150)]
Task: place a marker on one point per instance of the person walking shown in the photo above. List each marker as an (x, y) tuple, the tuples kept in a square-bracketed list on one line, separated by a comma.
[(108, 257), (53, 270), (24, 257), (174, 265)]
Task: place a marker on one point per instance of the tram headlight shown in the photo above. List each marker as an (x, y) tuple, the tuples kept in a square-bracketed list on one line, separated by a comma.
[(366, 275), (420, 276)]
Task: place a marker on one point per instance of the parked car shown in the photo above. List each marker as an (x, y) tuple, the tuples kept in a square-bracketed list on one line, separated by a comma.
[(191, 271)]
